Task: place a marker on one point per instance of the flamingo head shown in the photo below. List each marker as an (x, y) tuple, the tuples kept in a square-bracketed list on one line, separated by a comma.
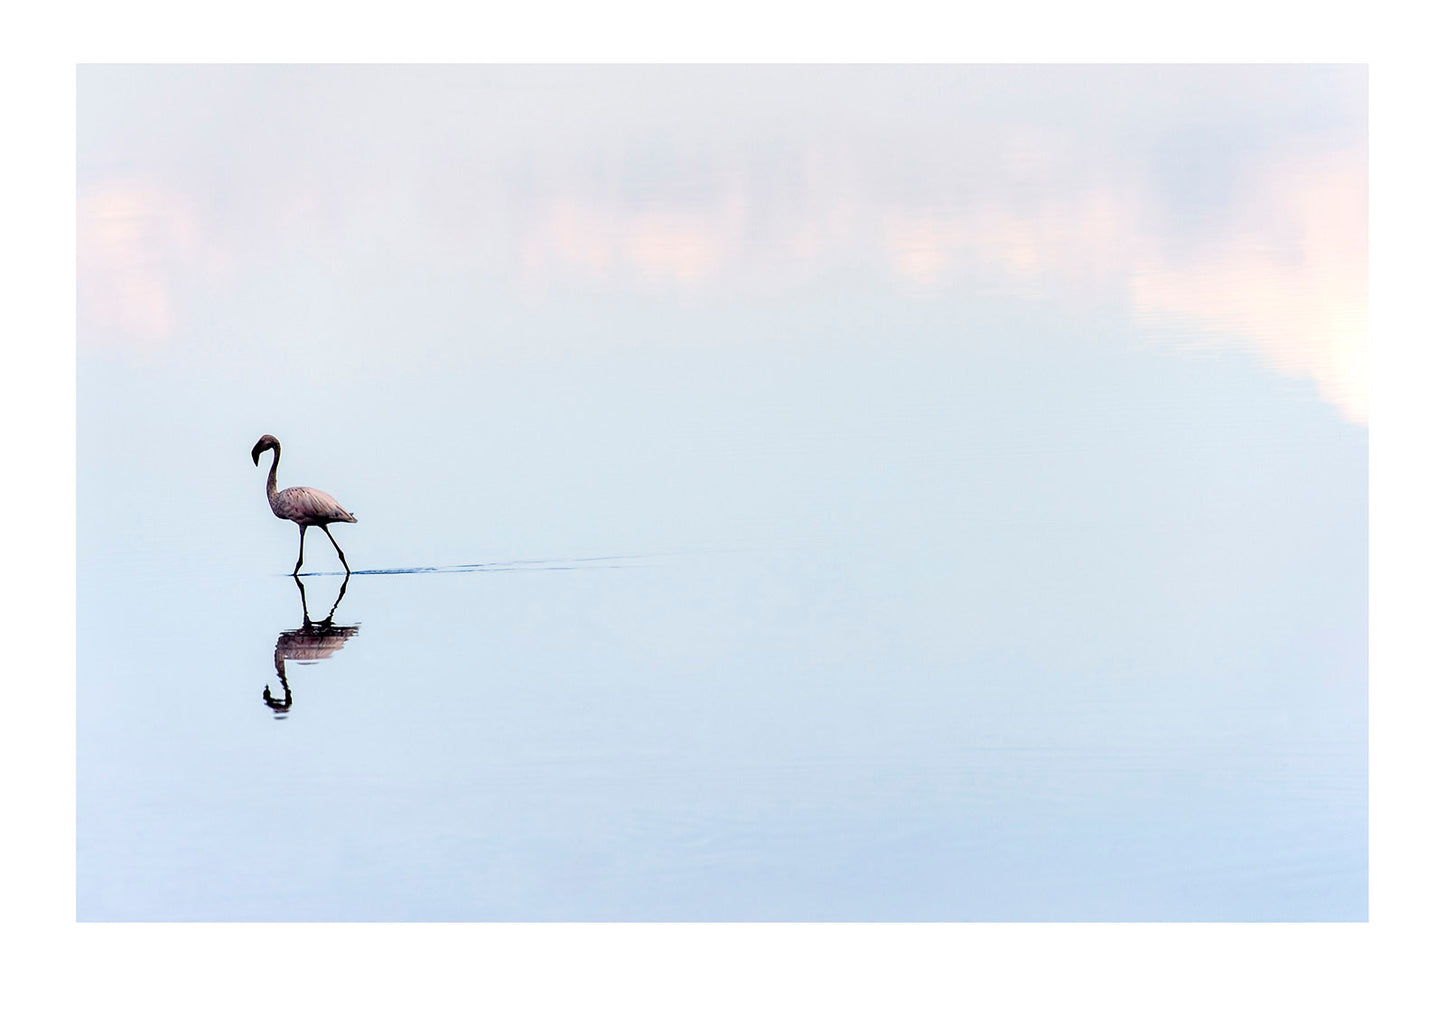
[(267, 442)]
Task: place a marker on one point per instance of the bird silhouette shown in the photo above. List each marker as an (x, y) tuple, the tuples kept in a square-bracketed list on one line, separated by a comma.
[(312, 641), (301, 504)]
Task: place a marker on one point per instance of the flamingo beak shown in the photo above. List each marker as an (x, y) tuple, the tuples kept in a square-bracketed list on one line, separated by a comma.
[(256, 453)]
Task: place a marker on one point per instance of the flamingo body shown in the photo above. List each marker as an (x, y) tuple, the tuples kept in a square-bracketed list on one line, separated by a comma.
[(307, 506)]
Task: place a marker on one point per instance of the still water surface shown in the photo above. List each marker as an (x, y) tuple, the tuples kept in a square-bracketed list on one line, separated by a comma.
[(783, 494)]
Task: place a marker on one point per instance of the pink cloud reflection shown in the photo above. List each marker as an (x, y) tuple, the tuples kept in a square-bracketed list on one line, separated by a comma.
[(659, 247), (130, 238), (1285, 274), (1292, 284)]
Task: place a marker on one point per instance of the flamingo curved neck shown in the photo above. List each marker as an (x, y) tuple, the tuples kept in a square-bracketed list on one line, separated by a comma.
[(271, 477)]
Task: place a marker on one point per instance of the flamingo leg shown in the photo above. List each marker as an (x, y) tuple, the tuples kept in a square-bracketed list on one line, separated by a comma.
[(338, 553), (301, 552), (305, 614), (340, 595)]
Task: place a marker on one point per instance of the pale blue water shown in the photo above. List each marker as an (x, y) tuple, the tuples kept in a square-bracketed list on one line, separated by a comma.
[(783, 494)]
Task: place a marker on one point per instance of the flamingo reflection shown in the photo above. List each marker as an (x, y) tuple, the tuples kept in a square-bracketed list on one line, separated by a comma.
[(312, 641)]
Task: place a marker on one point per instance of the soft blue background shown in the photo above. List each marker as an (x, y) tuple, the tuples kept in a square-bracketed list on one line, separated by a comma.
[(960, 595)]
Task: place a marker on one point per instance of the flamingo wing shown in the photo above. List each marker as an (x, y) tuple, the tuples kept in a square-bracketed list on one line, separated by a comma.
[(308, 506)]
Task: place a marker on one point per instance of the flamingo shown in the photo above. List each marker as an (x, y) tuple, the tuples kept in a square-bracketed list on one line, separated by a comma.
[(301, 504)]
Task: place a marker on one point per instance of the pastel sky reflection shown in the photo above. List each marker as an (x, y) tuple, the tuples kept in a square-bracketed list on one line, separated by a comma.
[(1214, 207)]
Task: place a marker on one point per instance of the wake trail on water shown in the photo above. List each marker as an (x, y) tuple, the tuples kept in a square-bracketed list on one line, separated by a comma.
[(616, 562), (558, 564)]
